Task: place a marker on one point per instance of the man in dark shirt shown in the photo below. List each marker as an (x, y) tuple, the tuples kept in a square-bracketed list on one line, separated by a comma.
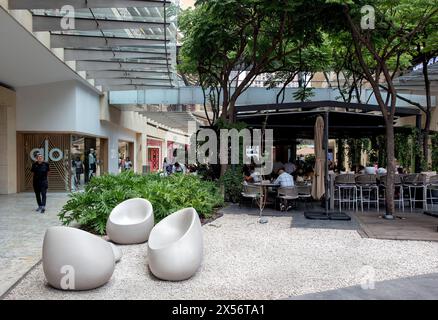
[(40, 171)]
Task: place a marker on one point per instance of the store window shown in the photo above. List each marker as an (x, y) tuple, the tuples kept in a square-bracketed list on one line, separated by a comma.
[(126, 155), (86, 160)]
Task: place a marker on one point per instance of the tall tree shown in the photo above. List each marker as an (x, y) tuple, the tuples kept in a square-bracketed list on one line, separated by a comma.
[(229, 43), (386, 42), (424, 48), (301, 65)]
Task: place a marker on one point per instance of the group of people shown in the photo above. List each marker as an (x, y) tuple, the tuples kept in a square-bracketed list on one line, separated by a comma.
[(177, 167), (282, 179), (125, 164), (87, 167)]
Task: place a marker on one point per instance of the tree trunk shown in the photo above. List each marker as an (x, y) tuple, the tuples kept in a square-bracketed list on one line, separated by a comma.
[(390, 154), (426, 135), (224, 168), (428, 112), (232, 112)]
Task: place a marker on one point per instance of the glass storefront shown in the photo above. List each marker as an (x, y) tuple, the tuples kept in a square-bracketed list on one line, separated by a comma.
[(126, 155), (73, 159)]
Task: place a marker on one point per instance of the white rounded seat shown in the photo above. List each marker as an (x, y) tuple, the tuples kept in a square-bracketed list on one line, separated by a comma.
[(175, 247), (130, 222), (76, 260), (117, 253)]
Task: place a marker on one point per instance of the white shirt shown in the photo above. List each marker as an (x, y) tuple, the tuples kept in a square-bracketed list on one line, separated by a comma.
[(285, 180), (256, 177)]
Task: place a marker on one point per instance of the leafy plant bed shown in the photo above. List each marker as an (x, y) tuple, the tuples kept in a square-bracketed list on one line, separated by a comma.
[(91, 208), (216, 215)]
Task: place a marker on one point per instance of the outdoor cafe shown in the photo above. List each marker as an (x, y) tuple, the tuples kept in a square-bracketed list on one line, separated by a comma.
[(346, 190)]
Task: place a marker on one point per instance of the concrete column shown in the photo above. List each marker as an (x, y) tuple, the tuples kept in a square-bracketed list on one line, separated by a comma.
[(164, 153), (141, 152), (8, 142)]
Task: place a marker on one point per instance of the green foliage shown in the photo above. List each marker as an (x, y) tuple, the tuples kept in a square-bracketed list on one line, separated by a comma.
[(304, 94), (407, 148), (258, 36), (340, 143), (435, 152), (92, 207), (232, 181)]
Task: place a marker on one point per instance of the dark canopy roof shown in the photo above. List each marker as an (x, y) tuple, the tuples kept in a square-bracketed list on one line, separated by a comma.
[(297, 120)]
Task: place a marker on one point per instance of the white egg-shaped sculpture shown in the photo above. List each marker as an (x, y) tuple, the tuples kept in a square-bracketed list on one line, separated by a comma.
[(131, 222), (76, 260), (175, 247)]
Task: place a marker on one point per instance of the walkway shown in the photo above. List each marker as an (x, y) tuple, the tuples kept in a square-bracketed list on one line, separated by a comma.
[(22, 232), (406, 226), (415, 288), (287, 257)]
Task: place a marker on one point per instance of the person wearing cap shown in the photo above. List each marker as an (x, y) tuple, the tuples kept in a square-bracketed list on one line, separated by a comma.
[(40, 170)]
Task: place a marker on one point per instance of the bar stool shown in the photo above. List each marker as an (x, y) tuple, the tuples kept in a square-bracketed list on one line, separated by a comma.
[(346, 190), (414, 182), (398, 183), (367, 185), (431, 187)]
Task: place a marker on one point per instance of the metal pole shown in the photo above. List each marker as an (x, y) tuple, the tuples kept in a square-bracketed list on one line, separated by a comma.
[(326, 145)]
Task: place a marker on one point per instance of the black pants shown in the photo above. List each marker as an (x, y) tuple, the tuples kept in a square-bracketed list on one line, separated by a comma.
[(41, 194)]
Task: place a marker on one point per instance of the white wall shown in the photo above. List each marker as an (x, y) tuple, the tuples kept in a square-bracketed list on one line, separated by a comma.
[(69, 107), (47, 108)]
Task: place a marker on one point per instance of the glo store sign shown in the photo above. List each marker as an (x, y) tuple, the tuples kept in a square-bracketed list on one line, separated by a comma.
[(54, 154)]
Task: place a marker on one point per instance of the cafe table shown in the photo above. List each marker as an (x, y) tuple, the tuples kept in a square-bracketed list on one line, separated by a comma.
[(264, 190)]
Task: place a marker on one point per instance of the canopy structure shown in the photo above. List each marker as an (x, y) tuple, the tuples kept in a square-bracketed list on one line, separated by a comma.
[(121, 45), (297, 120), (413, 81)]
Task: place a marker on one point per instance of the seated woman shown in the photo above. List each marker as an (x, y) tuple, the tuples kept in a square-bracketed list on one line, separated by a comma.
[(253, 176)]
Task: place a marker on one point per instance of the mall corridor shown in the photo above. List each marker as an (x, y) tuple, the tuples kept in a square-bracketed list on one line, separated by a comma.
[(22, 232)]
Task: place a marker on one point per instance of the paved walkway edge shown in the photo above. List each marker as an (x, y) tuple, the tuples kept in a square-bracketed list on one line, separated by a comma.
[(4, 294)]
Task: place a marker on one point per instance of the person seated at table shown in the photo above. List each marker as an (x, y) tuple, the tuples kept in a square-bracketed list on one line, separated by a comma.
[(253, 176), (400, 170), (284, 179), (277, 165), (360, 170), (290, 167)]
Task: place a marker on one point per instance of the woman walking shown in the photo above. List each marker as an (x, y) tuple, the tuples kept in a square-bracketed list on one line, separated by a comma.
[(40, 171)]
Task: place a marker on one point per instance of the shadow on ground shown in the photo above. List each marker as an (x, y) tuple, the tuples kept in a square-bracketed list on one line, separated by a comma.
[(424, 287), (297, 217)]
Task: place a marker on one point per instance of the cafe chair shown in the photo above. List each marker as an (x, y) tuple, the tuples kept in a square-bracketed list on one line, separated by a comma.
[(251, 192), (368, 190), (432, 190), (286, 194), (413, 183), (398, 190), (346, 191)]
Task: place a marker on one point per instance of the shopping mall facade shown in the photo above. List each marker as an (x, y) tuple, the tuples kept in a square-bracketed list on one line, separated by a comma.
[(50, 105)]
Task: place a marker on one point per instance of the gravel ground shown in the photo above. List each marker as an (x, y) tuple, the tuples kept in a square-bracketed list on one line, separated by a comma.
[(247, 260)]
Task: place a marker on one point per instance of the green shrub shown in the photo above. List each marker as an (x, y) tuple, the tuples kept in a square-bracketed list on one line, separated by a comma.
[(232, 181), (92, 207), (435, 152)]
